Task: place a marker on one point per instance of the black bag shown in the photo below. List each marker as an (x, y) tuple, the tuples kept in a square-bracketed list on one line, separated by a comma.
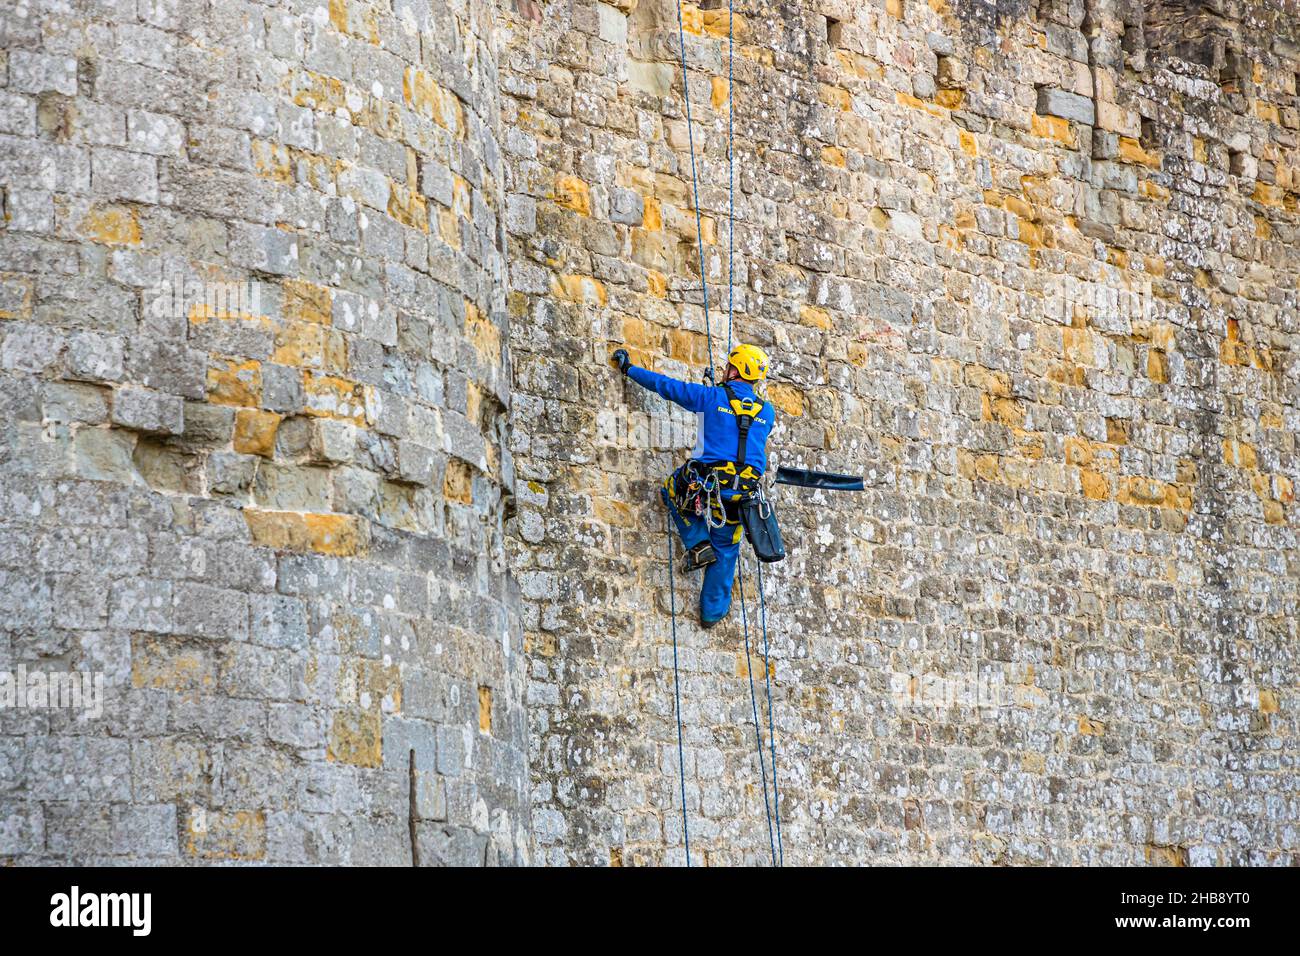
[(759, 519)]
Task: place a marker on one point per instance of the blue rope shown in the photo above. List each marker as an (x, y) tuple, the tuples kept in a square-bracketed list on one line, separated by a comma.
[(695, 187), (731, 179), (753, 702), (677, 693), (771, 731)]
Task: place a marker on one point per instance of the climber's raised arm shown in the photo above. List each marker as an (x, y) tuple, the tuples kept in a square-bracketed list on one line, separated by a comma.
[(692, 397)]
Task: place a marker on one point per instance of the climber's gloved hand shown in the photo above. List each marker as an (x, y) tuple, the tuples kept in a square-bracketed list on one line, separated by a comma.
[(620, 359)]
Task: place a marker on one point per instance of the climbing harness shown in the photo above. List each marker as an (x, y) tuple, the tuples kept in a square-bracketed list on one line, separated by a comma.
[(745, 411)]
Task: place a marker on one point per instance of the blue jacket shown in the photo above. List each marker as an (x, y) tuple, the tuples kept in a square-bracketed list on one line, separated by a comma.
[(719, 436)]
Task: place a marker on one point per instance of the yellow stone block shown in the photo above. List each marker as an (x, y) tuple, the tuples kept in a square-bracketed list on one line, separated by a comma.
[(652, 219), (321, 533), (1239, 454), (718, 93), (307, 302), (1153, 190), (787, 398), (907, 99), (272, 161), (688, 346), (692, 19), (1078, 451), (950, 99), (483, 334), (235, 383), (458, 483), (1005, 411), (1094, 485), (715, 24), (1157, 366), (1077, 345), (1056, 128), (408, 207), (1268, 194), (1018, 207), (572, 193), (356, 738), (577, 288), (1131, 151), (640, 334), (310, 345), (836, 96), (988, 467), (815, 317), (656, 284), (255, 432), (1165, 855), (833, 156), (163, 663), (111, 225), (240, 835), (331, 397), (449, 228)]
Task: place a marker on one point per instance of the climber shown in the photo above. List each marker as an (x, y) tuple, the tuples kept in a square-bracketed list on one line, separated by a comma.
[(725, 466)]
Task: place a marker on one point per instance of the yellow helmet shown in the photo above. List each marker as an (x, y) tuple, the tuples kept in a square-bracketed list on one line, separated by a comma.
[(750, 362)]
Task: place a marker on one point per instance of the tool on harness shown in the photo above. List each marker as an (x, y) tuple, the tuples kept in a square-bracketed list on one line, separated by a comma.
[(700, 556), (690, 490), (805, 478), (764, 534)]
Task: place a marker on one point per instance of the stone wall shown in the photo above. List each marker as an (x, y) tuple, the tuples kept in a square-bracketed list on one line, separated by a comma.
[(253, 396), (1030, 267)]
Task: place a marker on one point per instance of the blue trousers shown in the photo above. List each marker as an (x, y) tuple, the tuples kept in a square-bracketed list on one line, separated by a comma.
[(715, 593)]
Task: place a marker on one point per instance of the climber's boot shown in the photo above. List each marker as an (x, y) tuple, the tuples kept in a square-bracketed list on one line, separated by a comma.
[(700, 556), (707, 623)]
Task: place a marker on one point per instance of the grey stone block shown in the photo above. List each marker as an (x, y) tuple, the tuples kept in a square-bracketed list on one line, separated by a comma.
[(1071, 106), (145, 410), (120, 175), (141, 604), (40, 73), (277, 621), (264, 248), (203, 611)]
